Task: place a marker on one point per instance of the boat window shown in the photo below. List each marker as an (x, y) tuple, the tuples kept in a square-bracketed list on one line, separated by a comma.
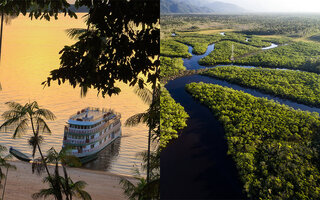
[(92, 146)]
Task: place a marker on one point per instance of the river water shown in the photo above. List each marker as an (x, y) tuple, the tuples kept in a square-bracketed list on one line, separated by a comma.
[(196, 165), (30, 52)]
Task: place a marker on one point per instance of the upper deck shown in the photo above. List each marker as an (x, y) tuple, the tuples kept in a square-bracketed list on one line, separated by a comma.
[(90, 116)]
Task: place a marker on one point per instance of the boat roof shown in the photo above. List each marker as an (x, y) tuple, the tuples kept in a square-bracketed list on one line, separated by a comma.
[(90, 116)]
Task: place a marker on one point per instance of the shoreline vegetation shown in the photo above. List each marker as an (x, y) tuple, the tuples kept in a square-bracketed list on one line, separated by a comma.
[(22, 183), (274, 146), (299, 86)]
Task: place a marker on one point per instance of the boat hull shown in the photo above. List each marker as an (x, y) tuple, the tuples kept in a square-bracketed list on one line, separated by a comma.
[(19, 155), (86, 154)]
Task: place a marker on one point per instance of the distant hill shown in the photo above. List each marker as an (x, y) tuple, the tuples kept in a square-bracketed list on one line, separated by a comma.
[(198, 6), (82, 9)]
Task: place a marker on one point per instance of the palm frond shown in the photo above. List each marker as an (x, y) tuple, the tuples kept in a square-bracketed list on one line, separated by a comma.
[(52, 156), (75, 32), (43, 126), (21, 128), (77, 189), (14, 105), (11, 114), (79, 185), (47, 114), (44, 193), (144, 93), (84, 195), (136, 119), (10, 123), (128, 187)]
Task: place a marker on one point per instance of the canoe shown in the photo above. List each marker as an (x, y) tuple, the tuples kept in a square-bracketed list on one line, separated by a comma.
[(19, 155)]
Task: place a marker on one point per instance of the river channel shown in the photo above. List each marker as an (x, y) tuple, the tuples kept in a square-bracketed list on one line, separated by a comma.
[(196, 165)]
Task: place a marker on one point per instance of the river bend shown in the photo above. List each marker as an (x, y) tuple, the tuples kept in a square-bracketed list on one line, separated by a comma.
[(196, 165)]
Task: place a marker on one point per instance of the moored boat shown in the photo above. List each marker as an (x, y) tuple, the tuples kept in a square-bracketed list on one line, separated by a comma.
[(19, 155), (91, 130)]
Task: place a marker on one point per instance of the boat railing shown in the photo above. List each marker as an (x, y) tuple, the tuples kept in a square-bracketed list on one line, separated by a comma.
[(103, 110), (90, 150), (83, 141), (88, 131)]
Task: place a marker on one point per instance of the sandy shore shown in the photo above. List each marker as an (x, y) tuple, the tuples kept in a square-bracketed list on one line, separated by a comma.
[(21, 184)]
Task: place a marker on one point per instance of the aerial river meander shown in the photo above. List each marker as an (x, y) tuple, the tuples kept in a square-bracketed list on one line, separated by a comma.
[(196, 165), (30, 52)]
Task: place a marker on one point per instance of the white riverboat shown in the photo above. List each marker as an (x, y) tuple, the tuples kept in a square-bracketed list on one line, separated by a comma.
[(91, 130)]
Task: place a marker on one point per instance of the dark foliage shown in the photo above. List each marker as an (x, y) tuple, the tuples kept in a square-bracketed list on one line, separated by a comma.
[(122, 44), (37, 8)]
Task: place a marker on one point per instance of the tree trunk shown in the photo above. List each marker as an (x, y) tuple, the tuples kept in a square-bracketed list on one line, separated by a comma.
[(154, 87), (67, 183), (1, 32), (42, 157), (5, 183)]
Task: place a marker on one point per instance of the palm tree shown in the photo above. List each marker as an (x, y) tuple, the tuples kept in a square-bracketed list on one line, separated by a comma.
[(53, 190), (69, 188), (150, 117), (142, 189), (77, 189), (18, 118), (59, 184)]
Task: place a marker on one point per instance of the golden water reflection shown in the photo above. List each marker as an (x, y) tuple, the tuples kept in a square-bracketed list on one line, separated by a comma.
[(30, 52)]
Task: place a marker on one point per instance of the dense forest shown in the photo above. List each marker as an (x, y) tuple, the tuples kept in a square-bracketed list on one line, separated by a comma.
[(199, 42), (267, 24), (247, 39), (172, 118), (222, 53), (274, 146), (171, 66), (297, 55), (169, 47), (302, 87)]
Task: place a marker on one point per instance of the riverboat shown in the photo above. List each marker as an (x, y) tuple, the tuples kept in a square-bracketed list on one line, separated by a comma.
[(90, 131)]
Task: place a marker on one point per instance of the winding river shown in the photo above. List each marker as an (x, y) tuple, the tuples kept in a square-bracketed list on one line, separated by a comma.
[(196, 165)]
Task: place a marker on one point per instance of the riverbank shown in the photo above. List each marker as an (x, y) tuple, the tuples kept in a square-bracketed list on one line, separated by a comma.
[(21, 183)]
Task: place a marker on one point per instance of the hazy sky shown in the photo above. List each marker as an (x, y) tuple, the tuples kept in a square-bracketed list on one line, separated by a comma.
[(274, 5), (278, 5)]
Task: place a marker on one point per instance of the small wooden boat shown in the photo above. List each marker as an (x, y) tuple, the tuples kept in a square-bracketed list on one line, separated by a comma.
[(19, 155)]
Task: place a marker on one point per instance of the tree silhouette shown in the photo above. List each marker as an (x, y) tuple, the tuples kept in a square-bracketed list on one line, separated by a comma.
[(59, 184), (121, 44), (19, 117)]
